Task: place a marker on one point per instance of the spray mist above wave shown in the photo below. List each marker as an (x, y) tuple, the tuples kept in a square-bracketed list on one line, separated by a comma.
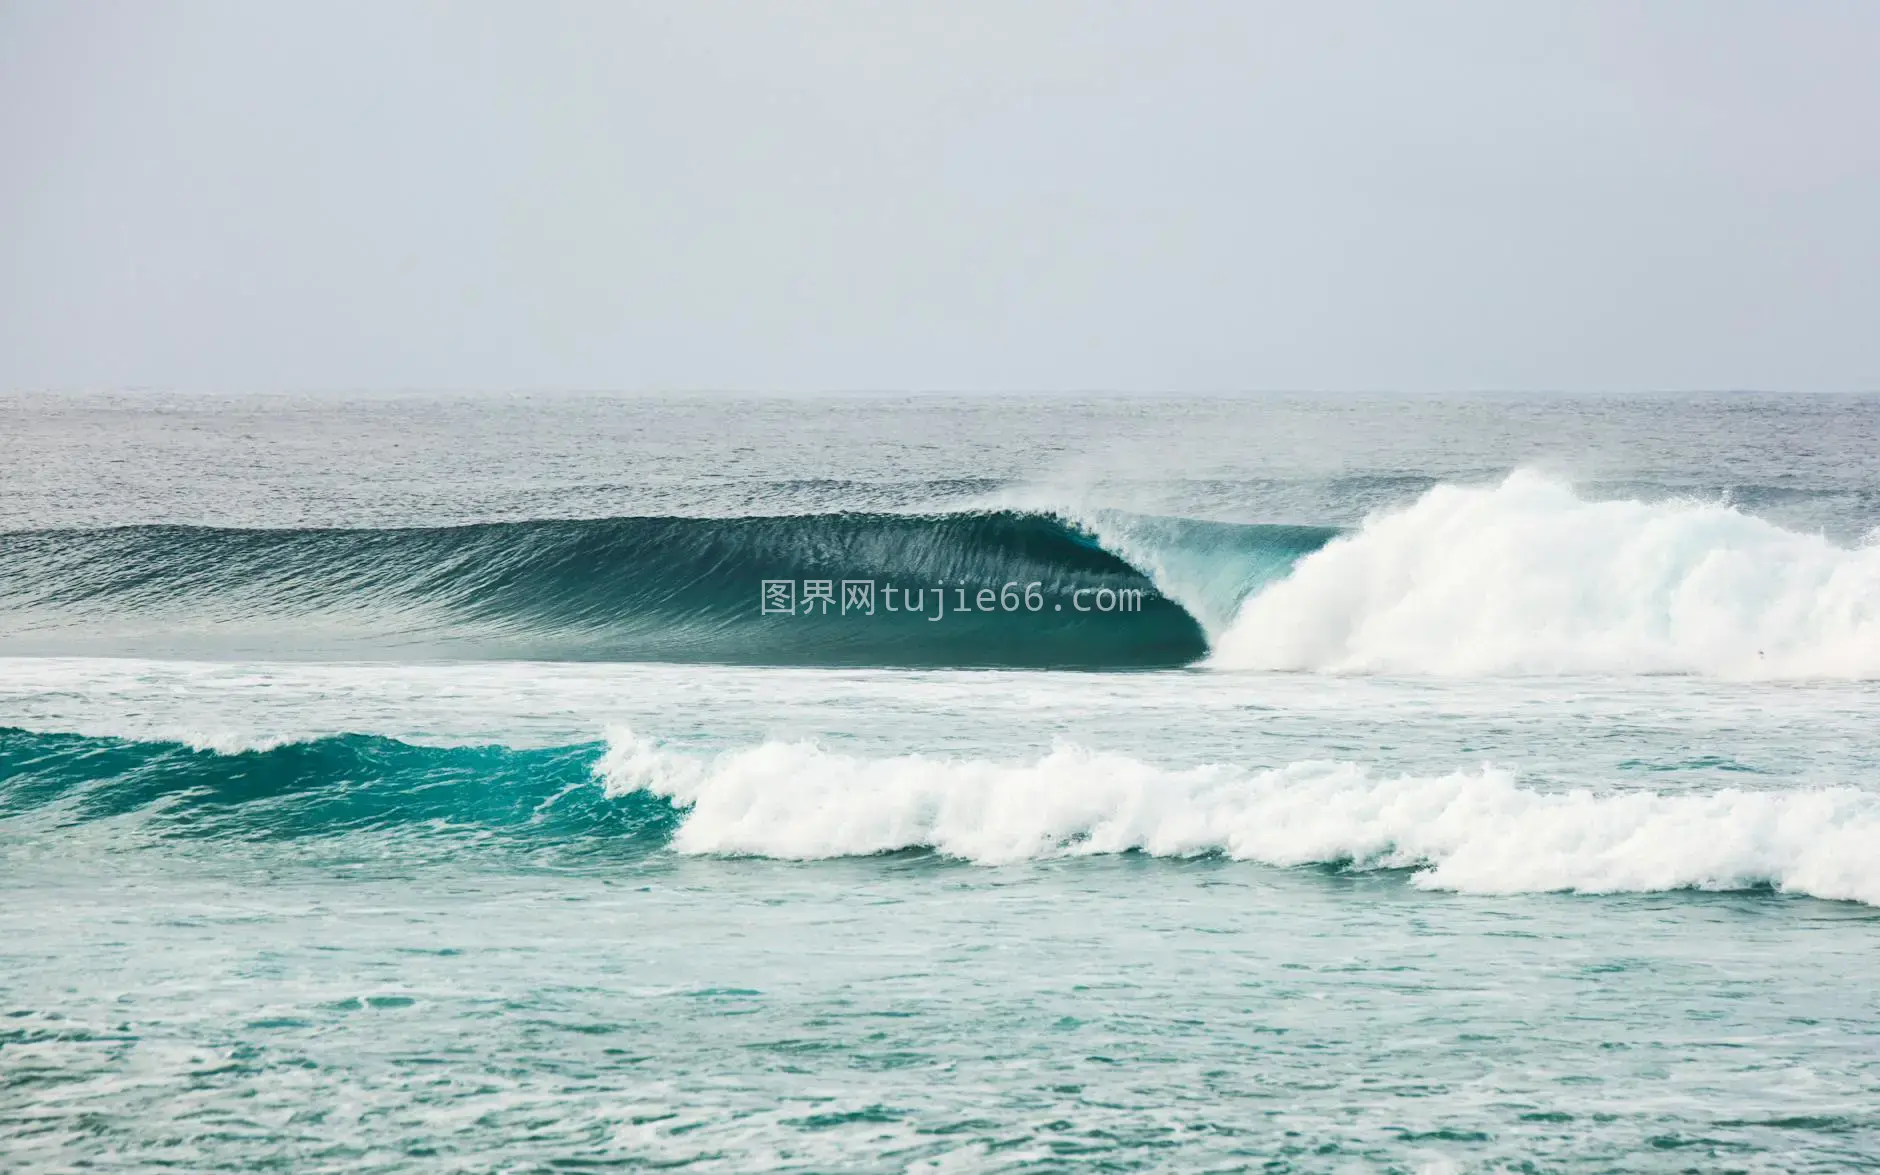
[(1527, 577)]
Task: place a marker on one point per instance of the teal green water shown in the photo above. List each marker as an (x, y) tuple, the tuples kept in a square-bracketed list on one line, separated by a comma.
[(635, 589), (1530, 825), (889, 1013)]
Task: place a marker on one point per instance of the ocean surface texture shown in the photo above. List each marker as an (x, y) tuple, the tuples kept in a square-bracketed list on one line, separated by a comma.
[(577, 783)]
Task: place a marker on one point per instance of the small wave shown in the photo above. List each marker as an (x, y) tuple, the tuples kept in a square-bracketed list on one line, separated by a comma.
[(1473, 831), (1479, 830), (228, 788), (1527, 577)]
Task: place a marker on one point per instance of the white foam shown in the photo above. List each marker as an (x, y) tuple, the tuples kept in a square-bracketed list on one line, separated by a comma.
[(229, 742), (1525, 577), (1476, 831)]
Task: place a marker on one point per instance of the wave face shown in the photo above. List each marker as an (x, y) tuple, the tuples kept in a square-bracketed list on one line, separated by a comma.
[(1526, 577), (667, 589), (209, 790), (1477, 831)]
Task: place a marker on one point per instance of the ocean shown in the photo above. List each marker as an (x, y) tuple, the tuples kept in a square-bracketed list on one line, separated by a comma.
[(549, 783)]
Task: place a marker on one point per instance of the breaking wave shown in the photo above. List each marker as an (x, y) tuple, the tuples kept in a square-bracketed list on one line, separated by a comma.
[(1479, 830), (1527, 577), (1520, 577)]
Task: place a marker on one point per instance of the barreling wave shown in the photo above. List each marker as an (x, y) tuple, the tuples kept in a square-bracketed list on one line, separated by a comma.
[(661, 589), (1520, 577), (1474, 831)]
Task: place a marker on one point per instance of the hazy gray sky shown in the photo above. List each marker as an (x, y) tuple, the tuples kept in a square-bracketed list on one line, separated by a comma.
[(1021, 194)]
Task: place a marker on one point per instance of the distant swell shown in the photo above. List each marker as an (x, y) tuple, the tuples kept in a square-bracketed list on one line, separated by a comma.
[(668, 589), (1476, 831)]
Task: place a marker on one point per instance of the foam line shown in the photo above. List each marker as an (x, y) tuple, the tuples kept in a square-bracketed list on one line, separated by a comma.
[(1474, 831)]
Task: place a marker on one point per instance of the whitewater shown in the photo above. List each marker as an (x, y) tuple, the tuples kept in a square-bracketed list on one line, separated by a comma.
[(1483, 783), (1527, 577)]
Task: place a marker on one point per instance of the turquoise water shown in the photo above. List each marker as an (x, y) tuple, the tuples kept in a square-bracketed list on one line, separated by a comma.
[(1510, 806)]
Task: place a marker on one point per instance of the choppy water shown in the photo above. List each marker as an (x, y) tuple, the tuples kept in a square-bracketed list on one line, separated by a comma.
[(409, 784)]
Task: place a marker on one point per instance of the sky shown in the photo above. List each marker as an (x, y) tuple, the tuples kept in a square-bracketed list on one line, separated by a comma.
[(1183, 196)]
